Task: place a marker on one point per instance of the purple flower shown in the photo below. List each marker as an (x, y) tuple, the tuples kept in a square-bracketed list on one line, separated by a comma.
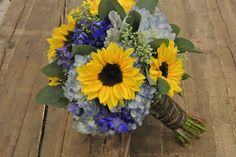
[(106, 120), (75, 109), (91, 33), (80, 38), (65, 57), (99, 28)]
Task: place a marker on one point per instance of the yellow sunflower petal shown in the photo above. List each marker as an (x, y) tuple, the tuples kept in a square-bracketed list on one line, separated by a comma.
[(113, 100), (124, 91), (92, 88), (92, 96), (104, 94)]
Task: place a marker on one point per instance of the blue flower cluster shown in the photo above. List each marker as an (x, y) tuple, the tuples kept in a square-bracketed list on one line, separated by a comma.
[(155, 25), (91, 33), (83, 113), (72, 87), (116, 121)]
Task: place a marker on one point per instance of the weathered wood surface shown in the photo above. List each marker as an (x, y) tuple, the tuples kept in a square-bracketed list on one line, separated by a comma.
[(30, 130)]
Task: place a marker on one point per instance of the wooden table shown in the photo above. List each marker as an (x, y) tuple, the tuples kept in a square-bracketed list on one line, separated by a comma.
[(27, 129)]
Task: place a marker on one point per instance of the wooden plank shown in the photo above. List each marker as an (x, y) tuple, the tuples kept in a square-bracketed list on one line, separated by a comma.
[(20, 118), (11, 30), (228, 14)]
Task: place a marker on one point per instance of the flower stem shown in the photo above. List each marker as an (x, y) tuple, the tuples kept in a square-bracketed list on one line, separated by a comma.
[(185, 126)]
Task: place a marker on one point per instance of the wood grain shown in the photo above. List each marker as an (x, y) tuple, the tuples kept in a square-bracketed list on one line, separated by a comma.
[(30, 130)]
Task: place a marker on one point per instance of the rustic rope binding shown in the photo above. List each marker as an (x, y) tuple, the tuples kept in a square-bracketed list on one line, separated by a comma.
[(185, 126)]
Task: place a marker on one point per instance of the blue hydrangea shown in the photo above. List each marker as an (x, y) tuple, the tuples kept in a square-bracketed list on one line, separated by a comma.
[(155, 25), (83, 114), (72, 87), (140, 106)]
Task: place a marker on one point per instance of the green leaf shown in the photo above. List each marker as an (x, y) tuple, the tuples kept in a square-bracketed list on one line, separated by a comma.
[(50, 95), (105, 6), (185, 45), (157, 43), (195, 50), (83, 49), (63, 102), (134, 19), (163, 86), (175, 29), (185, 76), (148, 4), (52, 70), (151, 81)]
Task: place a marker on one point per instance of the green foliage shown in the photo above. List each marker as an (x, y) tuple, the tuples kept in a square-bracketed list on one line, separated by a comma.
[(163, 86), (106, 6), (185, 45), (52, 70), (175, 29), (51, 95), (134, 19), (61, 103), (84, 14), (83, 49), (137, 41), (155, 44), (185, 76), (148, 4)]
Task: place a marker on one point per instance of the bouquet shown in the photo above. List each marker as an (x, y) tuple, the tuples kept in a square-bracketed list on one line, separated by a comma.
[(114, 63)]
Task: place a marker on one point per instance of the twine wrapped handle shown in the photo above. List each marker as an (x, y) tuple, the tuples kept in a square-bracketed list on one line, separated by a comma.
[(185, 126)]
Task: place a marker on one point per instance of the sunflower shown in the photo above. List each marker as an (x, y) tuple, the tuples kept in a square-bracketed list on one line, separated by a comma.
[(168, 67), (59, 37), (110, 76), (53, 81), (94, 4)]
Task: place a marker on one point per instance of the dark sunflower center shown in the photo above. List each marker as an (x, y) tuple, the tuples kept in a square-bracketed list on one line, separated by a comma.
[(164, 69), (110, 75)]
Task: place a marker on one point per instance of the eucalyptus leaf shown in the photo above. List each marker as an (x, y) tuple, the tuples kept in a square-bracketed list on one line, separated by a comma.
[(195, 50), (163, 86), (155, 44), (134, 19), (105, 6), (175, 29), (185, 76), (52, 70), (83, 49), (63, 102), (49, 95), (185, 45)]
